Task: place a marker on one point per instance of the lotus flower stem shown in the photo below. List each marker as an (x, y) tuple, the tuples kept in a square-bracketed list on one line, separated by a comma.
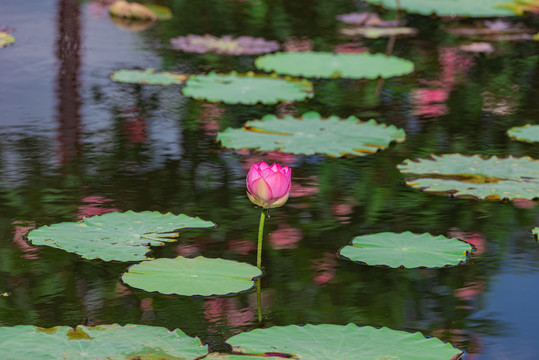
[(260, 236)]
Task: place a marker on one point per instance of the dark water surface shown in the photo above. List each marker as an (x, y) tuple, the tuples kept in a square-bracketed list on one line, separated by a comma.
[(73, 143)]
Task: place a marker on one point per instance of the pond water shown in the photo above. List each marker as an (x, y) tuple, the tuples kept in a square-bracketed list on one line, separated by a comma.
[(73, 143)]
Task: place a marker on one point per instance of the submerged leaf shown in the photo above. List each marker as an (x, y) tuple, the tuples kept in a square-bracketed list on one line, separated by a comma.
[(312, 134), (113, 342), (149, 77), (247, 88), (527, 133), (116, 236), (475, 8), (329, 65), (406, 250), (192, 277), (492, 178), (338, 342)]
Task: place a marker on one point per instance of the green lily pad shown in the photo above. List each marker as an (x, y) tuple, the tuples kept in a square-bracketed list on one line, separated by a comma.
[(6, 39), (149, 77), (406, 250), (312, 134), (472, 176), (192, 277), (113, 342), (340, 342), (329, 65), (116, 236), (528, 133), (247, 88), (475, 8)]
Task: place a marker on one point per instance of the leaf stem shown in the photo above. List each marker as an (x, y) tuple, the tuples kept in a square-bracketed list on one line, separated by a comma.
[(260, 236)]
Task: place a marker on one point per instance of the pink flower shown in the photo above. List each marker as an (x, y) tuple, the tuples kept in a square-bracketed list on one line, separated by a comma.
[(268, 186)]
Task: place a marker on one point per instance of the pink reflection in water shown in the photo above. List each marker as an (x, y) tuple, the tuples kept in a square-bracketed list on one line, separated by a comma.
[(94, 205), (228, 312), (350, 48), (325, 269), (243, 247), (294, 44), (208, 117), (473, 238), (524, 204), (285, 237), (342, 212), (134, 125), (21, 229), (186, 250)]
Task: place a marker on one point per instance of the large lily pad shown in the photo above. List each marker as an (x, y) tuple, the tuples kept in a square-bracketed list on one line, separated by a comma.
[(492, 178), (312, 134), (329, 65), (527, 133), (475, 8), (338, 342), (247, 88), (113, 342), (116, 236), (406, 250), (148, 76), (225, 45), (191, 277), (6, 39)]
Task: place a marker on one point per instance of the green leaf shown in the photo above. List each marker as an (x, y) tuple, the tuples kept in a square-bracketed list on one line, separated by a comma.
[(6, 39), (475, 8), (406, 250), (162, 12), (527, 133), (116, 236), (312, 134), (113, 342), (149, 77), (535, 232), (247, 88), (191, 277), (329, 65), (338, 342), (492, 178), (372, 32)]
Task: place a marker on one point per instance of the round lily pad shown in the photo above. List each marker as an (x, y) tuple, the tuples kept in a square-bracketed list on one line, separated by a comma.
[(472, 176), (192, 277), (112, 342), (116, 236), (312, 134), (329, 65), (340, 342), (528, 133), (225, 45), (406, 250), (148, 76), (247, 88), (6, 39), (475, 8)]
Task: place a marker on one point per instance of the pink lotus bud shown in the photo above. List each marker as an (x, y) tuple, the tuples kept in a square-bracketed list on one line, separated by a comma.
[(268, 186)]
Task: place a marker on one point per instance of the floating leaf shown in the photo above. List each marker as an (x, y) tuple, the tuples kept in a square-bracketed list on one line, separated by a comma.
[(329, 65), (192, 277), (116, 236), (124, 9), (162, 12), (528, 133), (338, 342), (475, 8), (112, 342), (6, 39), (459, 175), (377, 32), (148, 76), (247, 88), (406, 250), (520, 7), (312, 134), (225, 45)]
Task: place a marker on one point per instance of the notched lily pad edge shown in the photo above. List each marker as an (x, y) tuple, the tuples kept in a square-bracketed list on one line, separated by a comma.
[(98, 259), (197, 296), (402, 267)]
